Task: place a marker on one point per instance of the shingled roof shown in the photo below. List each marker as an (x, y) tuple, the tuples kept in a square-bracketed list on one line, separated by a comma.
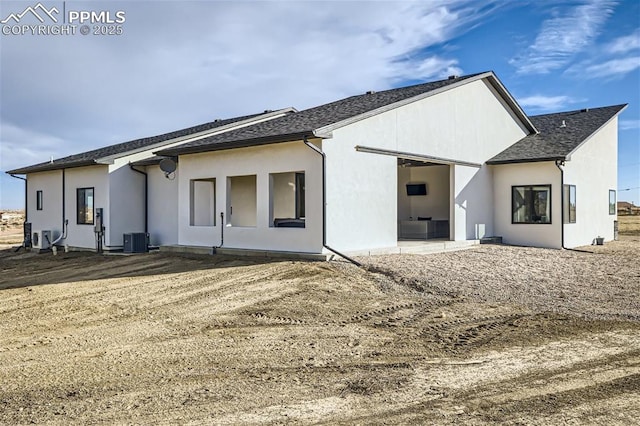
[(559, 135), (93, 157), (307, 123)]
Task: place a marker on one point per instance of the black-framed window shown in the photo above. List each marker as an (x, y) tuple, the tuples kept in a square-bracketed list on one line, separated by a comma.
[(531, 204), (85, 206), (287, 202), (569, 204), (612, 201), (39, 200)]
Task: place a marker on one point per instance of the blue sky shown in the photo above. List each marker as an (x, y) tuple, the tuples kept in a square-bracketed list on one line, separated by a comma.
[(181, 63)]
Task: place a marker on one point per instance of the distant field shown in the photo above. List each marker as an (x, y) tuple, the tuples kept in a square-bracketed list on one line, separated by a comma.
[(10, 236), (11, 228), (629, 225)]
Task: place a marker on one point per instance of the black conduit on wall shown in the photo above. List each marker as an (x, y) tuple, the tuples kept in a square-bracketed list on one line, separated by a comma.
[(65, 221), (64, 184), (64, 211)]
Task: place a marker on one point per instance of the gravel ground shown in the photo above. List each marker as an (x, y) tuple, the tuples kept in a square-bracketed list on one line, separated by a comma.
[(455, 338), (598, 282)]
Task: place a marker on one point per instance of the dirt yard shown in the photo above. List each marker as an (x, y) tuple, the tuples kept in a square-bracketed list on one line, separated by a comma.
[(629, 225), (482, 336)]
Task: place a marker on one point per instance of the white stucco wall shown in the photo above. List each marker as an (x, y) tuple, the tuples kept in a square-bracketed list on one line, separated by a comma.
[(592, 168), (163, 207), (126, 200), (472, 211), (540, 235), (435, 204), (469, 123), (362, 202), (95, 177), (127, 193), (120, 192), (50, 217), (259, 161)]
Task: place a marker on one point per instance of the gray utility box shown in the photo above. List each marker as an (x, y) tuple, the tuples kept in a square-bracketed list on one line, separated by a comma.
[(135, 242)]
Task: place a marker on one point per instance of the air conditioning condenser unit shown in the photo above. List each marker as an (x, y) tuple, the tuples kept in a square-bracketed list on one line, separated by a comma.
[(135, 242), (41, 239)]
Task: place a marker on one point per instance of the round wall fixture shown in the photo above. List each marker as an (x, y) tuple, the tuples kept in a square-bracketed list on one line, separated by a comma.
[(167, 165)]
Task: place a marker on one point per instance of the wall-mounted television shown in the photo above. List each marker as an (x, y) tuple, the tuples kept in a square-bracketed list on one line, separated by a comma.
[(416, 189)]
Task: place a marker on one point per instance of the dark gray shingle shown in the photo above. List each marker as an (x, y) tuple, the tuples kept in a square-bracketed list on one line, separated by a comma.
[(89, 158), (555, 141)]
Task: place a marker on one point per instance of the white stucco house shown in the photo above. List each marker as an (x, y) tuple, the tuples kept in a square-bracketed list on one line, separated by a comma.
[(568, 172), (455, 159), (66, 196)]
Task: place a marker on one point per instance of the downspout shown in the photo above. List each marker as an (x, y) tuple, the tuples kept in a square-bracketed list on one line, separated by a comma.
[(26, 195), (26, 208), (146, 197), (559, 164), (324, 203), (65, 221)]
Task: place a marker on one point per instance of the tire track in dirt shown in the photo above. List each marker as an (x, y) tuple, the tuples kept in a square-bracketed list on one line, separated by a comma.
[(232, 342), (552, 391), (541, 389), (353, 319)]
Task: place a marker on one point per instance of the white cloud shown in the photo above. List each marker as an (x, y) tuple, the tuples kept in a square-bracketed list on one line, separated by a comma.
[(629, 124), (613, 60), (432, 67), (625, 44), (183, 63), (21, 147), (562, 36), (613, 68), (547, 103)]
